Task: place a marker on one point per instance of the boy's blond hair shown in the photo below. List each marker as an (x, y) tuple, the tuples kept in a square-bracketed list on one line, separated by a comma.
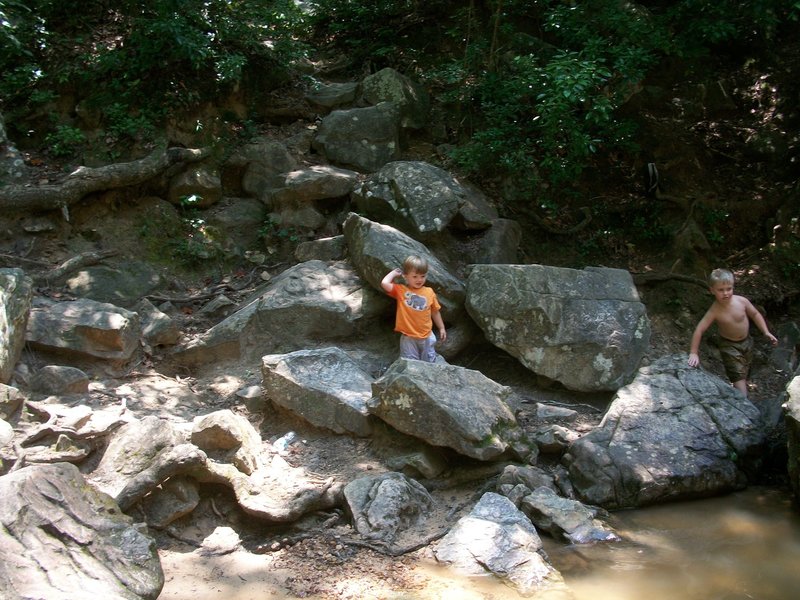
[(720, 276), (416, 264)]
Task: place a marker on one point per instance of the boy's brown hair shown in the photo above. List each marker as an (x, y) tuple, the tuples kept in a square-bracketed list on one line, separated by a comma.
[(416, 264)]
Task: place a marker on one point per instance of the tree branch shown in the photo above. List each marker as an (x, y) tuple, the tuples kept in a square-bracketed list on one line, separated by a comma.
[(85, 180)]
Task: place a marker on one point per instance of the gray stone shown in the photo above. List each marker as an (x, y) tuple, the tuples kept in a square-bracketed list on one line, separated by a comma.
[(496, 538), (674, 433), (499, 244), (586, 329), (565, 518), (10, 400), (239, 220), (58, 380), (61, 540), (227, 437), (326, 387), (158, 329), (131, 450), (175, 498), (388, 85), (376, 249), (306, 304), (84, 327), (318, 182), (446, 405), (384, 505), (16, 293), (416, 195), (123, 284), (331, 95), (362, 138), (332, 248), (528, 476), (262, 162), (475, 212)]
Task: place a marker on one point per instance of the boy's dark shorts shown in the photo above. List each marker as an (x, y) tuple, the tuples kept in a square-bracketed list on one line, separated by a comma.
[(736, 357)]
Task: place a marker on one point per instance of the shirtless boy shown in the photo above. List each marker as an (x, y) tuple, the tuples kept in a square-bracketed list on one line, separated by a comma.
[(732, 314)]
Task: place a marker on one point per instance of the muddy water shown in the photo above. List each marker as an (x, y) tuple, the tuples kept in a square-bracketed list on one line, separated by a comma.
[(741, 546), (737, 547)]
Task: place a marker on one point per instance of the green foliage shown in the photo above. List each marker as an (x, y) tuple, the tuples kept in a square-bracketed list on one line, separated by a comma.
[(542, 122), (700, 25), (713, 220), (378, 31), (139, 61), (273, 233), (65, 141)]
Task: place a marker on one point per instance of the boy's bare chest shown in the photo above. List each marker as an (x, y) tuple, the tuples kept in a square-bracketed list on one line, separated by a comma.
[(732, 316)]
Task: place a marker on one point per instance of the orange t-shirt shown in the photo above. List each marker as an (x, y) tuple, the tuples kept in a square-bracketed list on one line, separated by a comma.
[(413, 317)]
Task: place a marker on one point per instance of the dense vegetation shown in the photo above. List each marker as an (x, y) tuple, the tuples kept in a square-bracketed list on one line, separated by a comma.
[(531, 90)]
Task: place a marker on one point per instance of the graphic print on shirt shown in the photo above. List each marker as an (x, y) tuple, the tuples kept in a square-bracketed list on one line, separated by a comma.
[(415, 301)]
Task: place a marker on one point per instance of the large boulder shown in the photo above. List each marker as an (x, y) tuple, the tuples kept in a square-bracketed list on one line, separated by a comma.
[(331, 95), (792, 419), (300, 199), (565, 518), (447, 405), (256, 167), (376, 249), (497, 539), (61, 540), (84, 327), (416, 195), (308, 303), (384, 506), (586, 329), (131, 450), (326, 387), (422, 199), (388, 85), (16, 292), (123, 284), (362, 138), (499, 244), (673, 433), (317, 182)]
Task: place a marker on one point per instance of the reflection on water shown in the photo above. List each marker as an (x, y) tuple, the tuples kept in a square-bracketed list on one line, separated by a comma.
[(745, 545)]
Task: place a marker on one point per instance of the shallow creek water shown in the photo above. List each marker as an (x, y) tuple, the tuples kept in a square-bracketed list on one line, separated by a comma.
[(744, 545), (741, 546)]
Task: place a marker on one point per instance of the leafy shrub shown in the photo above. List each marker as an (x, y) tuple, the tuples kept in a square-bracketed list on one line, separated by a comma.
[(65, 141), (141, 60)]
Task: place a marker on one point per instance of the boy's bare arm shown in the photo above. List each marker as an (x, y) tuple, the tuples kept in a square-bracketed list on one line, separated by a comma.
[(757, 318), (388, 281), (694, 346), (436, 317)]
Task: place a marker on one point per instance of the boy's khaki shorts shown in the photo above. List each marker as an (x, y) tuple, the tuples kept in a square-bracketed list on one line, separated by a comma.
[(736, 357)]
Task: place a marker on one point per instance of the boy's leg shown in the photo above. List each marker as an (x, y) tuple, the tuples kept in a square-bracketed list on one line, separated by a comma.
[(736, 358), (409, 348), (429, 348)]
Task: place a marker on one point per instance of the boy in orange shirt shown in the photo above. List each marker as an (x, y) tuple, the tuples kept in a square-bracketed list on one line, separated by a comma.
[(732, 314), (417, 310)]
